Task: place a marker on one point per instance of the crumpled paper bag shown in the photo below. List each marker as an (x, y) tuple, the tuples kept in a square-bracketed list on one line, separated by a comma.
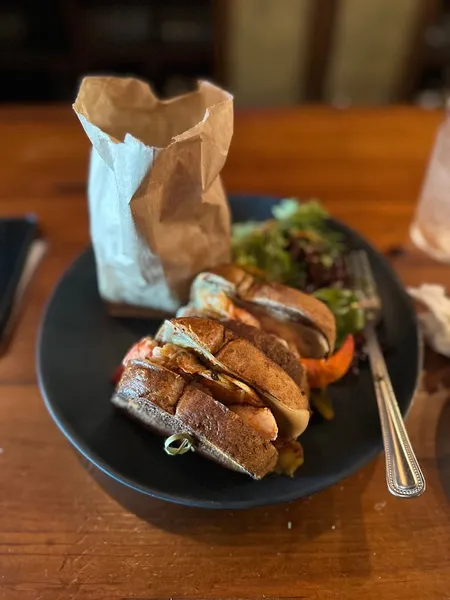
[(158, 211)]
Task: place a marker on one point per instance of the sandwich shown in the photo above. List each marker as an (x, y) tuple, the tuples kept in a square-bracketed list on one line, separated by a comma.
[(236, 393), (303, 323)]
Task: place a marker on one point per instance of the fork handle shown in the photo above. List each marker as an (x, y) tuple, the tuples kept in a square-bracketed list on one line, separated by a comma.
[(404, 477)]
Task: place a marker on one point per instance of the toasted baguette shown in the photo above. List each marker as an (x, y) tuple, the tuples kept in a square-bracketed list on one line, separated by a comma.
[(270, 344), (273, 348), (218, 433), (238, 357), (277, 303), (161, 386), (224, 436)]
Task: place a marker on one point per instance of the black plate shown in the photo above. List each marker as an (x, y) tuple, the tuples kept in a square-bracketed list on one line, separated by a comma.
[(80, 346)]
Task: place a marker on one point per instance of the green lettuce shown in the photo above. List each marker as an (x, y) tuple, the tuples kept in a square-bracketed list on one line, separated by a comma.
[(346, 309), (265, 250), (291, 214), (264, 246)]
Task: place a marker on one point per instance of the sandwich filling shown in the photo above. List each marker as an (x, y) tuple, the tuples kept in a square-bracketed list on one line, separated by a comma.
[(217, 305)]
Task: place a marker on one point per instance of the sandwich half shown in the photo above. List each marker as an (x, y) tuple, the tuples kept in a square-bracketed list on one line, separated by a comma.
[(229, 394), (166, 403), (304, 323)]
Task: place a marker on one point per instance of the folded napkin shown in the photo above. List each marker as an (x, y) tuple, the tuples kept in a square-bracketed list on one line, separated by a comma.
[(435, 320)]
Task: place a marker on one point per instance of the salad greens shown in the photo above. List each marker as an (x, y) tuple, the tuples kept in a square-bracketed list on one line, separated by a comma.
[(274, 248), (298, 247), (264, 251), (347, 311), (291, 217)]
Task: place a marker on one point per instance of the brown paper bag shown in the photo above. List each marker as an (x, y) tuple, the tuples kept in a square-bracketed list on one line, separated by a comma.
[(158, 211)]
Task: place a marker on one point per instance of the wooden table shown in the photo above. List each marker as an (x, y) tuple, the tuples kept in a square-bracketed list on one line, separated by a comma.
[(62, 537)]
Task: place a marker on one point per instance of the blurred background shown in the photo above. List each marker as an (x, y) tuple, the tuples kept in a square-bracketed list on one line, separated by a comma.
[(267, 52)]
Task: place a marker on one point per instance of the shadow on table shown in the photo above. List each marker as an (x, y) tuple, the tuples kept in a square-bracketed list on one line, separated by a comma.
[(443, 448), (436, 382), (336, 510)]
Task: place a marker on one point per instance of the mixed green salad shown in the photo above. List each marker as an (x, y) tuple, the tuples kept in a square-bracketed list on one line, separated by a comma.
[(300, 248)]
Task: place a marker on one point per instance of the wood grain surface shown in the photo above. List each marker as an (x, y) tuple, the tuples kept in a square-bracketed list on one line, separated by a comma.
[(66, 533)]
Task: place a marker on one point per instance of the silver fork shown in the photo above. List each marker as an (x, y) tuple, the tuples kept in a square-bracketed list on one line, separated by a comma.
[(403, 474)]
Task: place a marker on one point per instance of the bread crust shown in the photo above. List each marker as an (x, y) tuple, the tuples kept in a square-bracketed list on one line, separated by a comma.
[(297, 306), (273, 348), (154, 383), (225, 434)]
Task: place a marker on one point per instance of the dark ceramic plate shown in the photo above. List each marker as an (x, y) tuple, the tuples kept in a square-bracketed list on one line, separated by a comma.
[(80, 346)]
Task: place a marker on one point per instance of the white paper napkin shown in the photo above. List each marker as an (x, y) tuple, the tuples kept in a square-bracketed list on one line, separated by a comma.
[(435, 320)]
